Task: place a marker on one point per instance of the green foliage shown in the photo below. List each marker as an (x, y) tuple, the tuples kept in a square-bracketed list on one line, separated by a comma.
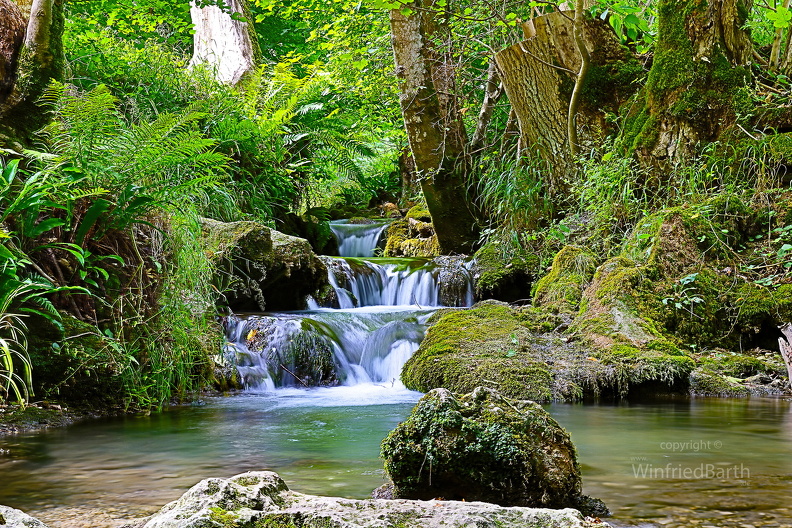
[(635, 23)]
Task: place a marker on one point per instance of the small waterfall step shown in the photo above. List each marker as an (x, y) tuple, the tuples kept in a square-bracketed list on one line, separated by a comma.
[(324, 348), (358, 239), (421, 282)]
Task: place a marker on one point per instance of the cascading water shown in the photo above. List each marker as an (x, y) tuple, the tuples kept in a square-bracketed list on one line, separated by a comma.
[(358, 239), (378, 322)]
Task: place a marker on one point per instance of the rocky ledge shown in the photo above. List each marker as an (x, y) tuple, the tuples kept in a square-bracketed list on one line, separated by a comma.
[(262, 500)]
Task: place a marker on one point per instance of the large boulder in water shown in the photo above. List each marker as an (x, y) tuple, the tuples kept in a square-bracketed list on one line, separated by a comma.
[(262, 269), (259, 499), (483, 447)]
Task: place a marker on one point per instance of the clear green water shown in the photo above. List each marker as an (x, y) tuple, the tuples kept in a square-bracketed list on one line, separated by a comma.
[(327, 442)]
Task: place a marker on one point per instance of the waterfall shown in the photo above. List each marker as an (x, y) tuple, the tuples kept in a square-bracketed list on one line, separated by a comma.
[(378, 321), (358, 239), (444, 281)]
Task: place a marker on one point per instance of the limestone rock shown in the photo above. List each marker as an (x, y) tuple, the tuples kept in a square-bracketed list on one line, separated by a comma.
[(483, 447), (12, 518), (263, 269), (262, 499)]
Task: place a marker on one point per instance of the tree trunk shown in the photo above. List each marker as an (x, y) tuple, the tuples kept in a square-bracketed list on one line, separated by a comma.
[(410, 184), (702, 59), (539, 74), (12, 34), (433, 122), (40, 61), (227, 46)]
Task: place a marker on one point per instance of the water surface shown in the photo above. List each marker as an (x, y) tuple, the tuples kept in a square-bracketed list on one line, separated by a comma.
[(326, 441)]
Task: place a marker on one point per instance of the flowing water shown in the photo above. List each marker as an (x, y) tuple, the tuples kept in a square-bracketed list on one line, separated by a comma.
[(674, 463)]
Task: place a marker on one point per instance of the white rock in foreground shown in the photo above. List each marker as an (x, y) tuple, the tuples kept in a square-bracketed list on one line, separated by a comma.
[(12, 518), (262, 498)]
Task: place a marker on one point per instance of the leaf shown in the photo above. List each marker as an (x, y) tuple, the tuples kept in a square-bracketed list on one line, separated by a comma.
[(44, 226), (91, 216)]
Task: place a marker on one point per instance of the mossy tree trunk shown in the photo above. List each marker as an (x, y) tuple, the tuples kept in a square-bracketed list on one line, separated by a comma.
[(702, 59), (225, 41), (432, 119), (40, 60)]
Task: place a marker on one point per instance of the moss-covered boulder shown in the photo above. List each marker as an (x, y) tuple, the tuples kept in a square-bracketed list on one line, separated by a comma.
[(562, 289), (504, 277), (260, 268), (413, 236), (527, 353), (482, 447), (683, 283)]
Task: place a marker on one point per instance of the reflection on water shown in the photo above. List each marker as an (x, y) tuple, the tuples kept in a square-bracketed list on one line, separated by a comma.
[(326, 441), (711, 462)]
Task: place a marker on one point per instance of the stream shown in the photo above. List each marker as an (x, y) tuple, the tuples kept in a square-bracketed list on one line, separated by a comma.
[(674, 462)]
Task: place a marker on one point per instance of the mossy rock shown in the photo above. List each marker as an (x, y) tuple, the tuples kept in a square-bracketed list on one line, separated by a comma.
[(482, 447), (520, 353), (402, 242), (562, 289), (260, 268), (505, 278), (420, 213), (705, 382)]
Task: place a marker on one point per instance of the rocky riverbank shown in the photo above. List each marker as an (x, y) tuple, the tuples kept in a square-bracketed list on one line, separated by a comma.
[(262, 500)]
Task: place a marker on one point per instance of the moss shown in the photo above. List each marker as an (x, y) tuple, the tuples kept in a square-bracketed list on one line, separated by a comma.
[(614, 79), (401, 243), (759, 304), (295, 520), (418, 212), (562, 288), (223, 518), (634, 366), (481, 446), (507, 278), (705, 382)]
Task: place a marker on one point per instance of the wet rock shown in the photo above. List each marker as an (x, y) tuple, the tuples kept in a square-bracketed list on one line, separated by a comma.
[(455, 281), (262, 499), (262, 269), (12, 518), (483, 447)]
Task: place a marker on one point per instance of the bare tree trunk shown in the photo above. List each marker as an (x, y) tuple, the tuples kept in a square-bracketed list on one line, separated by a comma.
[(702, 58), (433, 122), (226, 45), (538, 73), (786, 348)]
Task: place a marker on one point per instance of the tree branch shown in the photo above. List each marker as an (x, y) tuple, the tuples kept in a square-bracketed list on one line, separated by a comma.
[(493, 92), (585, 61)]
